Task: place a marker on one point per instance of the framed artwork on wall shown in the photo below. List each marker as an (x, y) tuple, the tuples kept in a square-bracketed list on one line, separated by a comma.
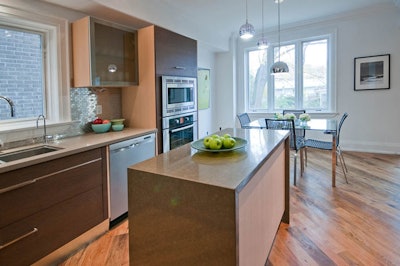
[(372, 72), (203, 88)]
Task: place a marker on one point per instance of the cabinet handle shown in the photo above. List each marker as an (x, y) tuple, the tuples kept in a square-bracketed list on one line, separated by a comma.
[(23, 184), (26, 183), (34, 230), (180, 67)]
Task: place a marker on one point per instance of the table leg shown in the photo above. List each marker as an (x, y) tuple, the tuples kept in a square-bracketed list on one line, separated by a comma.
[(334, 158)]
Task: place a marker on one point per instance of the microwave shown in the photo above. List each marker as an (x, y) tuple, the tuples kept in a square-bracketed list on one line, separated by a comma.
[(179, 95)]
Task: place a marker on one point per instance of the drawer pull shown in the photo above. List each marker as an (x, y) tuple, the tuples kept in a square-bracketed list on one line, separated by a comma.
[(23, 184), (26, 183), (34, 230)]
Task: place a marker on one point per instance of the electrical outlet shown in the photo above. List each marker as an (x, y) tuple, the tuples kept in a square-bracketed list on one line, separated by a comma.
[(99, 110)]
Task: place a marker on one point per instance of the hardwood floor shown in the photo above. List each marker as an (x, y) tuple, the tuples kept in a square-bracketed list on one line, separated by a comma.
[(352, 224)]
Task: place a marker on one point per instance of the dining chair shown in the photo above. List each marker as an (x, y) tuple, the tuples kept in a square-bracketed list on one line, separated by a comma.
[(295, 144), (300, 133), (244, 119), (327, 145)]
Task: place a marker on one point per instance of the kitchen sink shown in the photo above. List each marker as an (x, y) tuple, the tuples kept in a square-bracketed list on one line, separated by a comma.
[(26, 153)]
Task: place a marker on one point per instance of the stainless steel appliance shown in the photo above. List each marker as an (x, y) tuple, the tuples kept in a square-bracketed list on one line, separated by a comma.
[(179, 95), (122, 155), (179, 130)]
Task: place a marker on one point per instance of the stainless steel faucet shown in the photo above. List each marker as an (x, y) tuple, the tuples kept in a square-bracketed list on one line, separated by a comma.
[(10, 102), (44, 127)]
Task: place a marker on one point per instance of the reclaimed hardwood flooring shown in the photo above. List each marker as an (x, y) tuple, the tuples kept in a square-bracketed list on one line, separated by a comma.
[(352, 224)]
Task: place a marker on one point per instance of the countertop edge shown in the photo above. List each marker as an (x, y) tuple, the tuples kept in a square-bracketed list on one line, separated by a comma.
[(77, 144)]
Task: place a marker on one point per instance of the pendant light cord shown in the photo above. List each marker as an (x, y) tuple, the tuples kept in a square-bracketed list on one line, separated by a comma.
[(262, 17), (279, 30), (246, 13)]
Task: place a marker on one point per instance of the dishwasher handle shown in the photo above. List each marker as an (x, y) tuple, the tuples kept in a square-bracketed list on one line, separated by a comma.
[(133, 145)]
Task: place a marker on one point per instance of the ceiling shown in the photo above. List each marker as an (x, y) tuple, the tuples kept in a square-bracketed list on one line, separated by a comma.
[(213, 22)]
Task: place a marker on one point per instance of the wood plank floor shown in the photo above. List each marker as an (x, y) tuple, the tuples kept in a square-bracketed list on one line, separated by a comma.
[(352, 224)]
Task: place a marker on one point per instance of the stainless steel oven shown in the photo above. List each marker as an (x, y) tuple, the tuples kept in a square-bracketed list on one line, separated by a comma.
[(179, 95), (179, 130)]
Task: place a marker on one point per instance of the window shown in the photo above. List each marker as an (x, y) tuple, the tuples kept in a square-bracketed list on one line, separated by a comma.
[(33, 68), (21, 73), (306, 86)]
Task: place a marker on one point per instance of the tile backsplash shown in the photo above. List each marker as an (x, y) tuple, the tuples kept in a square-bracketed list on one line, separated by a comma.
[(84, 102)]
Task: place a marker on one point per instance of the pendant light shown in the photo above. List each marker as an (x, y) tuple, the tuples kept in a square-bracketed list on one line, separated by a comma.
[(246, 31), (279, 67), (262, 43)]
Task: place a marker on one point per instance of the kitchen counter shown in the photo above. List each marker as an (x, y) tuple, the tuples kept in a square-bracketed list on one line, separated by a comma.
[(188, 207), (74, 145)]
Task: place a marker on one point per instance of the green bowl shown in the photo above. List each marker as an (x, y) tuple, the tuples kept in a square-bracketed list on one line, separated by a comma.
[(117, 121), (101, 128), (118, 127)]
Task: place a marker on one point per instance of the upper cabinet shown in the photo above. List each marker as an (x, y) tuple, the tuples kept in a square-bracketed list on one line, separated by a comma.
[(176, 55), (104, 54)]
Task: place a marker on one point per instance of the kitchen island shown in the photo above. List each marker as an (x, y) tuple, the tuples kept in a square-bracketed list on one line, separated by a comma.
[(189, 207)]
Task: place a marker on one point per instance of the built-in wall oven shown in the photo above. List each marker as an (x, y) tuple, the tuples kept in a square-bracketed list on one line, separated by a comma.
[(179, 130), (179, 111)]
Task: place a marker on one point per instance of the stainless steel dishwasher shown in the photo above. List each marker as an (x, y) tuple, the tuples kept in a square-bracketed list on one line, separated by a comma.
[(122, 155)]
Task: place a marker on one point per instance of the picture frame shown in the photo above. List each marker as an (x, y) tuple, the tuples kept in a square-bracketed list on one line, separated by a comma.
[(203, 88), (372, 72)]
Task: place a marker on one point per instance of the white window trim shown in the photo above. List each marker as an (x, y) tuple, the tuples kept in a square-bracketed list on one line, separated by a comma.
[(56, 30), (289, 36)]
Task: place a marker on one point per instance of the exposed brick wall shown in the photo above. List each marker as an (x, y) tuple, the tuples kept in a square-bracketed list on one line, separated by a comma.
[(21, 73)]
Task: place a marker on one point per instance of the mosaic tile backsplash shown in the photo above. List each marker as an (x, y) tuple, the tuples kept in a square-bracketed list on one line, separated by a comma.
[(83, 107)]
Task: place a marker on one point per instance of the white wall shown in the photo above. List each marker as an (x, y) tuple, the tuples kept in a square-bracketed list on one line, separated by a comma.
[(206, 59), (373, 121)]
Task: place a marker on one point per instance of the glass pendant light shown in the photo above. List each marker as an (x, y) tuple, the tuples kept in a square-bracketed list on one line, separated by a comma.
[(279, 67), (262, 43), (246, 31)]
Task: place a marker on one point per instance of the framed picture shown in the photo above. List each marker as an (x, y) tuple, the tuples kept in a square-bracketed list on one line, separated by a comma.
[(372, 72), (203, 88)]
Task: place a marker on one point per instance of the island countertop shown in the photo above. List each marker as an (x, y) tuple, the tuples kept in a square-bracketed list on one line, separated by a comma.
[(230, 170), (190, 207)]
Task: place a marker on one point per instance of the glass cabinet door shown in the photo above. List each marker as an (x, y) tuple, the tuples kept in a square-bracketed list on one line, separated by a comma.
[(114, 55)]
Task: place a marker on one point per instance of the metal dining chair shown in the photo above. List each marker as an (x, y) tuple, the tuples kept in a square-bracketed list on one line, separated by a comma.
[(295, 144), (327, 145), (244, 119), (300, 133)]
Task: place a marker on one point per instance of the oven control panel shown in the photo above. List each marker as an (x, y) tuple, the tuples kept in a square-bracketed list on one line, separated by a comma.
[(181, 121)]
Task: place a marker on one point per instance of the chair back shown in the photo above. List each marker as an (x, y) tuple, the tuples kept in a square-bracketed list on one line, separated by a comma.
[(345, 115), (301, 133), (284, 124), (244, 119)]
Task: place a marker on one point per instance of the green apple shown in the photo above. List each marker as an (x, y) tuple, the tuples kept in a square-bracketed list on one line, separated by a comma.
[(229, 143), (216, 136), (206, 142), (215, 144), (227, 135)]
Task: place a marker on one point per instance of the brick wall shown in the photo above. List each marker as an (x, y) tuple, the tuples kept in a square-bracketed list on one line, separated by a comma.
[(21, 73)]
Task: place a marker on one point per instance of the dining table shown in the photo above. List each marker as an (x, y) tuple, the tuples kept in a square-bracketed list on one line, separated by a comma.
[(327, 126)]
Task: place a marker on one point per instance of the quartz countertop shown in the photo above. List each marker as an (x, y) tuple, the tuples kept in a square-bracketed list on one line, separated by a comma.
[(231, 170), (74, 145)]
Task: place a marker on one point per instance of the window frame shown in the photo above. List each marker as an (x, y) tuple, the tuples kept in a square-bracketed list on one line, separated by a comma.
[(293, 37), (55, 33)]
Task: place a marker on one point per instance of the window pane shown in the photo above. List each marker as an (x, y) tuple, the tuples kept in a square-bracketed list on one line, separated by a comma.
[(315, 60), (258, 76), (21, 73), (284, 83)]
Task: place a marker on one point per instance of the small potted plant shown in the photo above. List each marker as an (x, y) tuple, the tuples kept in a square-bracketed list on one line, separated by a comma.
[(304, 118)]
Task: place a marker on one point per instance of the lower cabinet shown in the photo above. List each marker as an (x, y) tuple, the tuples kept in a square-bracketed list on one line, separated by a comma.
[(47, 205)]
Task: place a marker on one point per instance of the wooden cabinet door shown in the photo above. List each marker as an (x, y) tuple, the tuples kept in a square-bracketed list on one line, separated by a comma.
[(104, 54), (176, 55), (44, 206)]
